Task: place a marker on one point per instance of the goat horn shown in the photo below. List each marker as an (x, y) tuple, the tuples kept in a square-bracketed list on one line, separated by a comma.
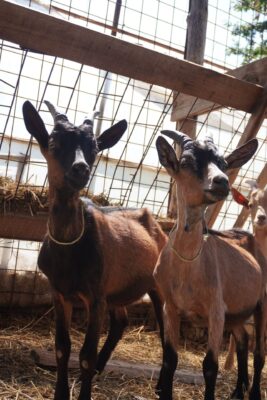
[(209, 139), (181, 138), (55, 114), (90, 120)]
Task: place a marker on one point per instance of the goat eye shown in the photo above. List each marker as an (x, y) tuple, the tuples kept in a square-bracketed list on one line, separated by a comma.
[(186, 164), (52, 144), (222, 164)]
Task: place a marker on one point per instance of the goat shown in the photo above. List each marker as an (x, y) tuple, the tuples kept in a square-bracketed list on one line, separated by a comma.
[(257, 203), (102, 259), (205, 276)]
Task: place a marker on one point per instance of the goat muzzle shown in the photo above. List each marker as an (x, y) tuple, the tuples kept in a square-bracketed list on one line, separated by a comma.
[(219, 189), (78, 175)]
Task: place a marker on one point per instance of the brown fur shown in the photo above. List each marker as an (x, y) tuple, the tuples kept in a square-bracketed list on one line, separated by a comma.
[(255, 243), (130, 250), (209, 277), (111, 263)]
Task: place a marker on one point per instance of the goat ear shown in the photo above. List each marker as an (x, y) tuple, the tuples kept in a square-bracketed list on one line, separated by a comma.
[(112, 135), (252, 183), (167, 156), (239, 198), (35, 124), (242, 154)]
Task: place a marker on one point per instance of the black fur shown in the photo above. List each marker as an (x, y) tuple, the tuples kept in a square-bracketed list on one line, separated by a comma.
[(196, 156), (57, 262), (242, 362), (164, 385), (210, 371)]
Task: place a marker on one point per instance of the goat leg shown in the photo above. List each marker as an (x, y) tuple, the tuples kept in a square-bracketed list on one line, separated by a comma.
[(118, 322), (88, 353), (158, 308), (63, 311), (241, 338), (210, 362), (260, 318), (170, 357)]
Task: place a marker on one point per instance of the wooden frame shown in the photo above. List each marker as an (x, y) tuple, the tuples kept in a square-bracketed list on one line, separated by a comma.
[(21, 25), (186, 106)]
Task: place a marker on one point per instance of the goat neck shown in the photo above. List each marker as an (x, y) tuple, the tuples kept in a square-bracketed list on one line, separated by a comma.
[(187, 237), (65, 220), (261, 239), (258, 211)]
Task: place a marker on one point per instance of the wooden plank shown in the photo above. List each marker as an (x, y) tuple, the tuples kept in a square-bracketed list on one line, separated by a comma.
[(250, 132), (47, 359), (64, 39), (188, 106), (33, 228), (242, 217), (23, 227)]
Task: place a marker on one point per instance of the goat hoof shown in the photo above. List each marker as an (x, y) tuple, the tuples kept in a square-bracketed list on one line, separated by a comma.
[(158, 390), (255, 395), (162, 396), (62, 396), (238, 394)]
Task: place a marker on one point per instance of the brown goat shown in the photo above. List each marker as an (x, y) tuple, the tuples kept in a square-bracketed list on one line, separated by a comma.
[(206, 276), (104, 259), (257, 203)]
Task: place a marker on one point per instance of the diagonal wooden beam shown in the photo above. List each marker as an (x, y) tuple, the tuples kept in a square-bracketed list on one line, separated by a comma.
[(44, 33), (242, 217), (187, 106), (250, 132)]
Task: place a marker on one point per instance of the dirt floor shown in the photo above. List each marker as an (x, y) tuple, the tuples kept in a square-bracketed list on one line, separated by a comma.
[(21, 379)]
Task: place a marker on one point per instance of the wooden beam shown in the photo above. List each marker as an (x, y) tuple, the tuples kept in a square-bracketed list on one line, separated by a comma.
[(45, 358), (33, 228), (187, 106), (40, 32), (23, 227), (242, 217), (194, 51), (250, 132)]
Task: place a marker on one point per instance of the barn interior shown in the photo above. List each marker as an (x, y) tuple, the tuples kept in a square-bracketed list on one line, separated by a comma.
[(160, 64)]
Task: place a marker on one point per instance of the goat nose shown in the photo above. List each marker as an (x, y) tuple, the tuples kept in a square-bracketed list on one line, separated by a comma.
[(261, 217), (80, 168), (221, 180)]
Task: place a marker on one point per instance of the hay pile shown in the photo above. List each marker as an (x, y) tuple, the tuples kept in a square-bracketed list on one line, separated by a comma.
[(29, 199), (21, 198), (21, 379)]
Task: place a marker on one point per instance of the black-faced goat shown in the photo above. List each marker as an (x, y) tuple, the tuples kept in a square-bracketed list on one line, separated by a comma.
[(206, 276), (101, 259)]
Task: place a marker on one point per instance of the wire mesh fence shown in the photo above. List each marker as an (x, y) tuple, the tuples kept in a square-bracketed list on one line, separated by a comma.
[(128, 174)]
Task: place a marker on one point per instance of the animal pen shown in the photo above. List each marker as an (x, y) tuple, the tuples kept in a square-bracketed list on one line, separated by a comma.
[(134, 60)]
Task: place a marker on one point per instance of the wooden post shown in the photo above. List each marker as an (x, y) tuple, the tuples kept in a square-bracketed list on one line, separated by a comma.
[(250, 132), (194, 51)]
